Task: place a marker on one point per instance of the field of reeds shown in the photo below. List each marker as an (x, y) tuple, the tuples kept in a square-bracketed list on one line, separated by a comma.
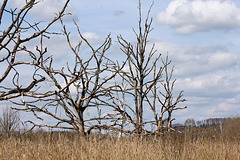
[(194, 143)]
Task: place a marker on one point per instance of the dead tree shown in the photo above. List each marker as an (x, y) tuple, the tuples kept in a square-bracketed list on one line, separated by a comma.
[(63, 95), (9, 121), (13, 43), (142, 78), (74, 89), (89, 76), (140, 66), (165, 99)]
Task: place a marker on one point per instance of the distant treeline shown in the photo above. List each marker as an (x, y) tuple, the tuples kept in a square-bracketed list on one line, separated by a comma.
[(204, 123)]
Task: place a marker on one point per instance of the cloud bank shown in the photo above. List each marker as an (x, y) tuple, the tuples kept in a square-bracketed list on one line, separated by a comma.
[(208, 76), (196, 60), (187, 17)]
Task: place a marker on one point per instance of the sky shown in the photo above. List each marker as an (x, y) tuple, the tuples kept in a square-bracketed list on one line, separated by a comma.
[(201, 37)]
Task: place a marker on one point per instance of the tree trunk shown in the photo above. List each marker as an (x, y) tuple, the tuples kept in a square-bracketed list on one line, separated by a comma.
[(81, 129)]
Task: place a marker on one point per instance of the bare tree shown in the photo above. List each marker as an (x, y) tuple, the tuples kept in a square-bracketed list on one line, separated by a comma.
[(75, 88), (146, 79), (140, 67), (88, 76), (165, 97), (60, 97), (13, 43), (9, 121), (189, 123)]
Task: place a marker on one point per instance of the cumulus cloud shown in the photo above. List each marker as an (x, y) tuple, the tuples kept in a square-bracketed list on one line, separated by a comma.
[(210, 85), (201, 108), (208, 77), (187, 17), (209, 96), (208, 63), (196, 60)]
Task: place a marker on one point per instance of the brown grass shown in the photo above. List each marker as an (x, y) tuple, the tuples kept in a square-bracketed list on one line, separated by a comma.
[(195, 144), (65, 147)]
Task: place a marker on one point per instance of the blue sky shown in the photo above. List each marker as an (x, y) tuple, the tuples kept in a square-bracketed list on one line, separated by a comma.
[(201, 38)]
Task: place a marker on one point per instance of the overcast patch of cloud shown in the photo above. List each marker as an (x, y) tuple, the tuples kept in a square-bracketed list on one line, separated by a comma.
[(187, 17)]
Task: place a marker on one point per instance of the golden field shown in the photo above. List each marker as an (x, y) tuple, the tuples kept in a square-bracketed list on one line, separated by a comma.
[(204, 143)]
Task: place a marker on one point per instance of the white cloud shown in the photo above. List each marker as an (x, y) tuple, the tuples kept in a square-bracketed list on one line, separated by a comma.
[(201, 108), (207, 63), (92, 37), (196, 60), (58, 45), (45, 9), (207, 76), (188, 17), (210, 85)]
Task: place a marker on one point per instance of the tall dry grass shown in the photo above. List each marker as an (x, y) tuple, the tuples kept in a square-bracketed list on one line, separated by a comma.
[(193, 144), (65, 147)]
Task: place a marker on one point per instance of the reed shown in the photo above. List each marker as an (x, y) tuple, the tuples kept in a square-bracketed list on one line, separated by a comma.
[(47, 146), (196, 143)]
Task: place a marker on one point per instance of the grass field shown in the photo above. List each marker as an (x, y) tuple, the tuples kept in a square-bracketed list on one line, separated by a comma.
[(65, 147), (194, 144)]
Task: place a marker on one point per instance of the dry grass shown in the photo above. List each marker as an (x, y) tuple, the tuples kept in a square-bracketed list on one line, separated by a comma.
[(202, 144), (72, 147)]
